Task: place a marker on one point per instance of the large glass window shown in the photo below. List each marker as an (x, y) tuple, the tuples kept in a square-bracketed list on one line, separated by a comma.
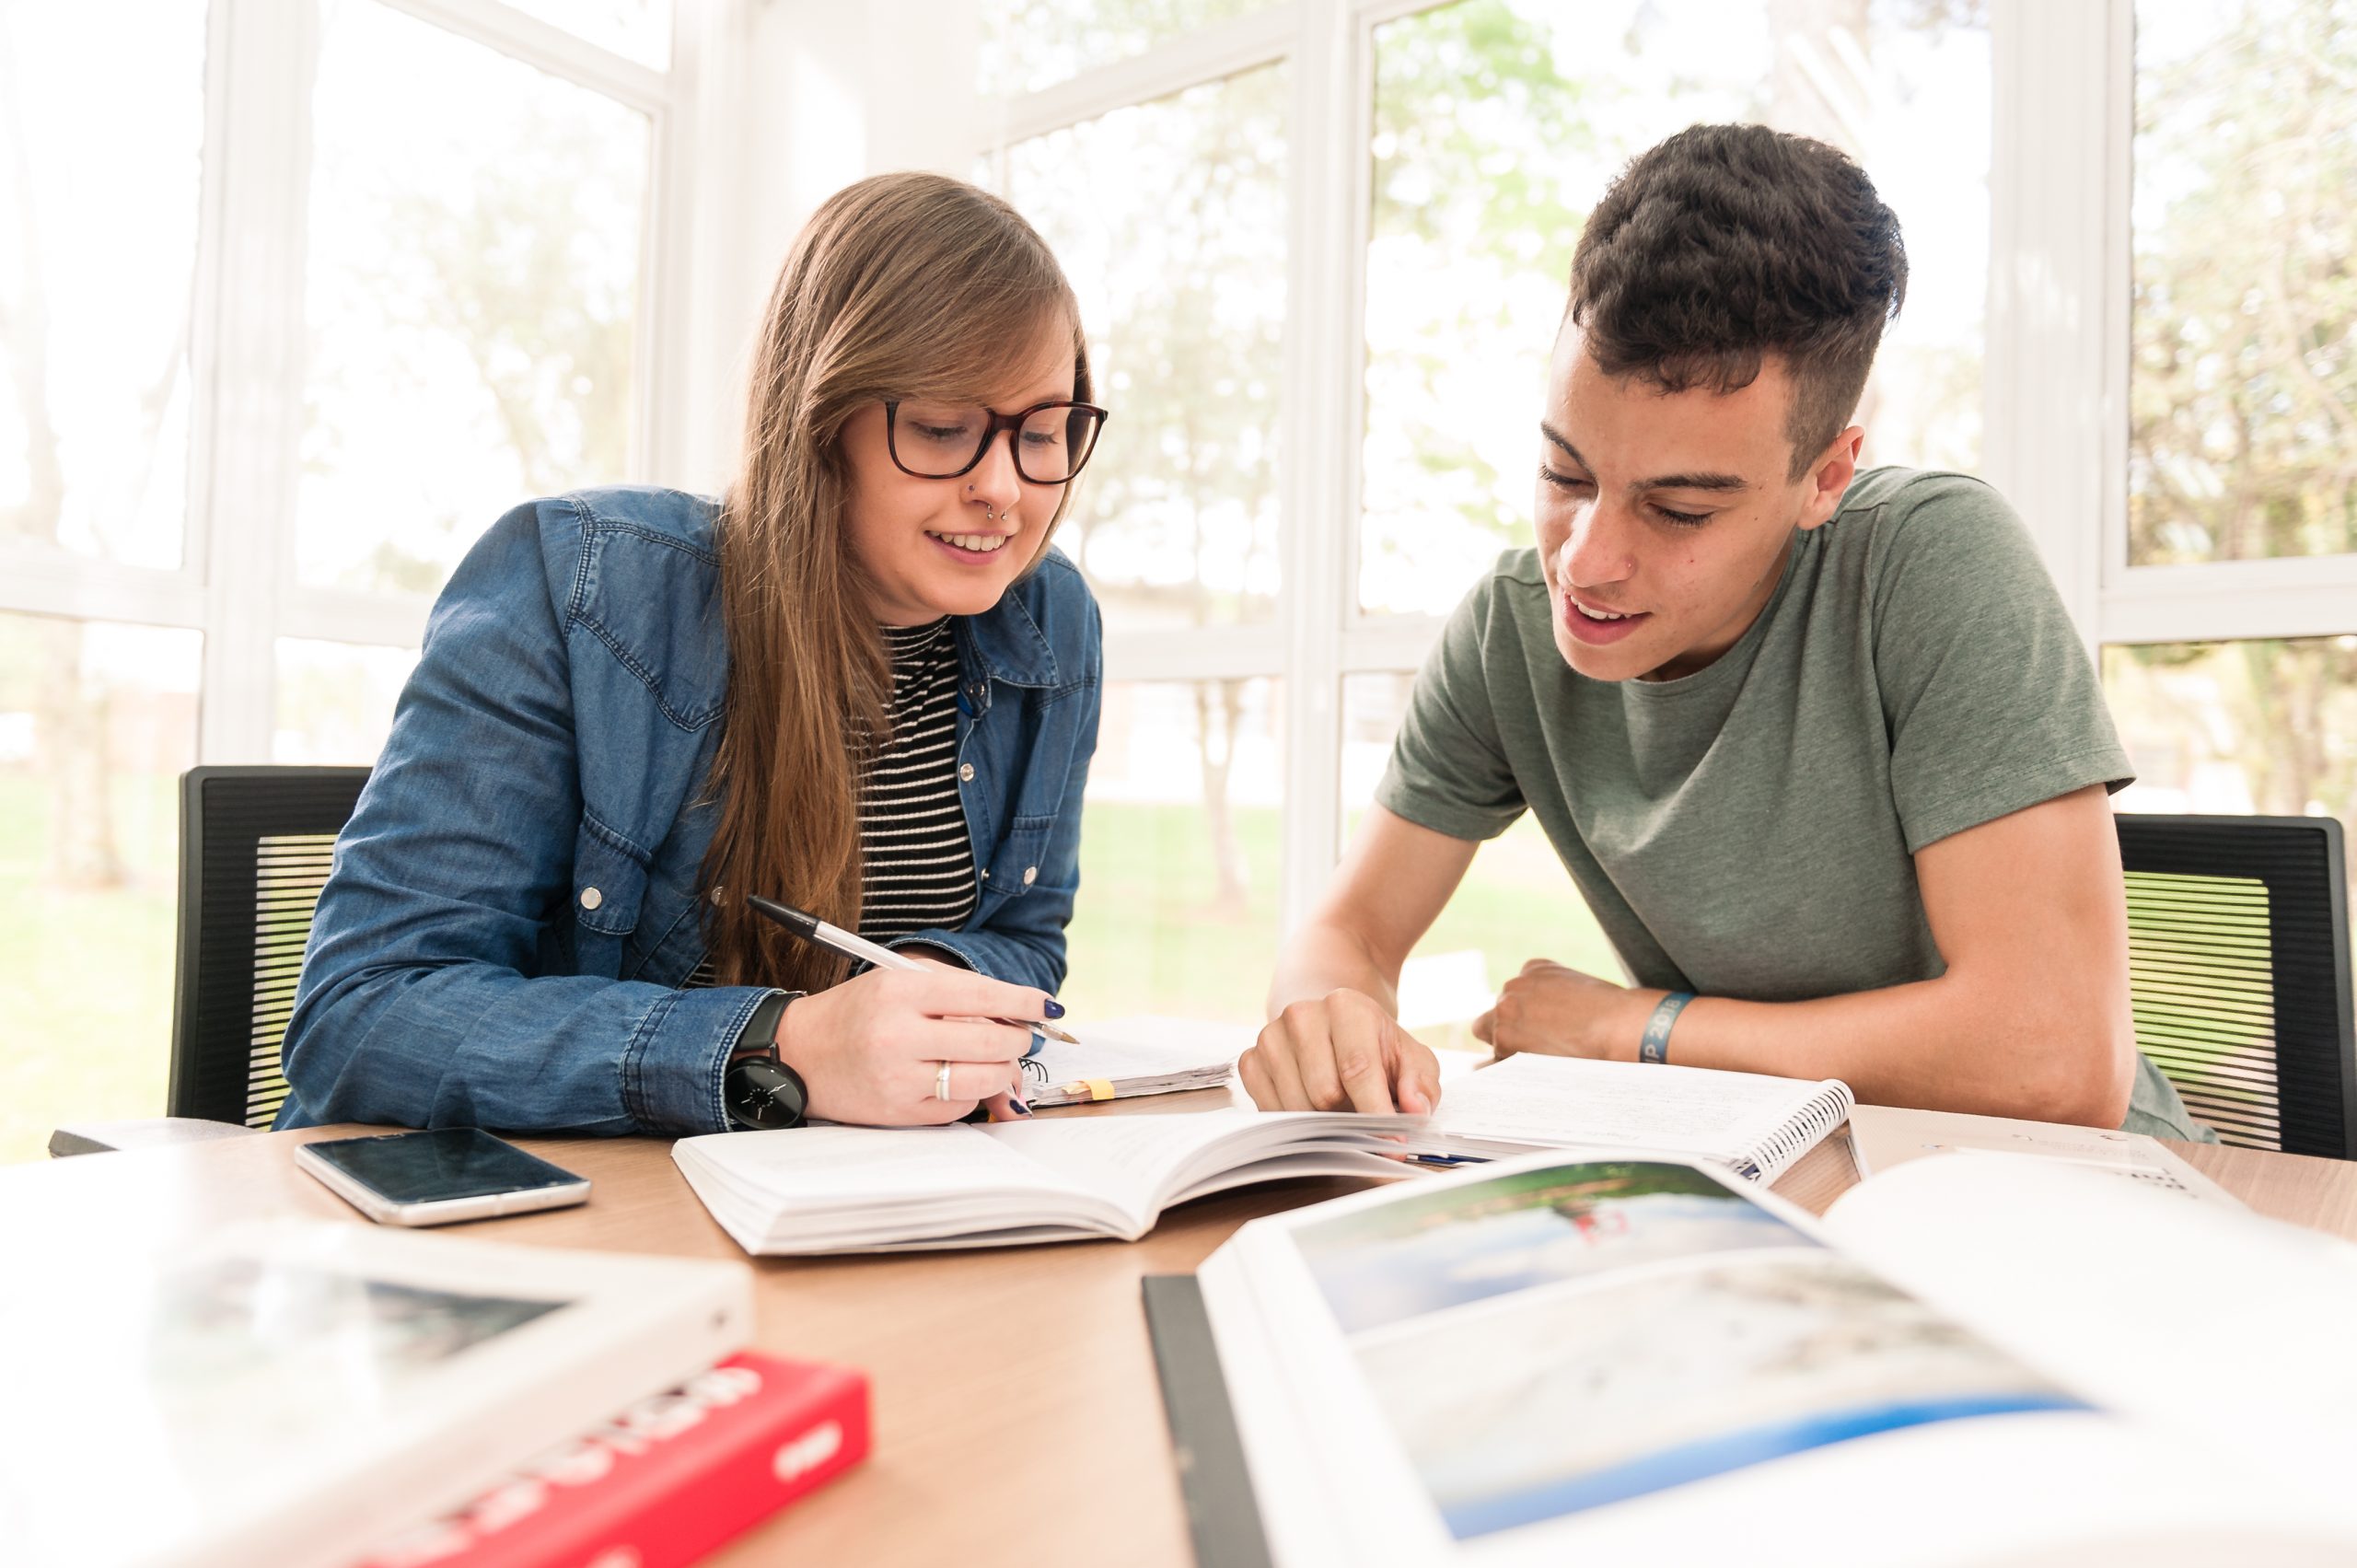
[(98, 195), (1517, 902), (2243, 386), (2242, 404), (471, 281), (1031, 44), (640, 29), (1177, 908), (1170, 218), (335, 701), (465, 209), (97, 723), (2266, 727), (1499, 122)]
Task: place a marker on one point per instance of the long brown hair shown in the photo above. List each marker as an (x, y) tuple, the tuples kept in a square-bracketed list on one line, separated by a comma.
[(902, 285)]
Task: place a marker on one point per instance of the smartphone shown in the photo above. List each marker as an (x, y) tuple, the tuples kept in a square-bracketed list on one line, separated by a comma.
[(439, 1175)]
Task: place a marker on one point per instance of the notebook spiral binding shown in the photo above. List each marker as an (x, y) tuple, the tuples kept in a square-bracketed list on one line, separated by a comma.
[(1826, 1109)]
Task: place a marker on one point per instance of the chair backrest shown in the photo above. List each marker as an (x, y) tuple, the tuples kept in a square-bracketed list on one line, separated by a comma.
[(256, 844), (2238, 968)]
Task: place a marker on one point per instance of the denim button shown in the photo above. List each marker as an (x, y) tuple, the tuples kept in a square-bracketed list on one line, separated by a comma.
[(965, 773), (591, 898), (1030, 874)]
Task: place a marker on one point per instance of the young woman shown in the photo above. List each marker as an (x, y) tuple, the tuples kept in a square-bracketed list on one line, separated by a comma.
[(863, 685)]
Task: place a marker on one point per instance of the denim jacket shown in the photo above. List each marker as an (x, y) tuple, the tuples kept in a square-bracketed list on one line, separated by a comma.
[(513, 905)]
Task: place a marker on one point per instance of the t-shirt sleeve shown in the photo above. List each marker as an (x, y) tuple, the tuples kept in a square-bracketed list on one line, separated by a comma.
[(1990, 702), (1448, 770)]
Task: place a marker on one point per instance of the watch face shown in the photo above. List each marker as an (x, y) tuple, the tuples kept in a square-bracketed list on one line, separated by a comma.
[(765, 1093)]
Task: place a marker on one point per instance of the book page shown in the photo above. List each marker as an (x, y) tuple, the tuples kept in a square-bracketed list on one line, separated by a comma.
[(836, 1164), (1560, 1100), (1127, 1160), (1884, 1136), (2213, 1322)]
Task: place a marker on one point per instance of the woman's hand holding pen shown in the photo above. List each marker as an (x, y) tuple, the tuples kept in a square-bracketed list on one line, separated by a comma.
[(877, 1048)]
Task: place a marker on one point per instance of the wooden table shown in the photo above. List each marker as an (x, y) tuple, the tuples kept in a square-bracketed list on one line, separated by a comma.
[(1018, 1416)]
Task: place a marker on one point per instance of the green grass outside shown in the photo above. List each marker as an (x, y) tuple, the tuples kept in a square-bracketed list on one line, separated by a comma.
[(1146, 935), (86, 977)]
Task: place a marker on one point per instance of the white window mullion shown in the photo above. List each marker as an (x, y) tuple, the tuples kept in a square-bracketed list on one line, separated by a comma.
[(706, 291), (258, 157), (1325, 203), (1191, 653), (1208, 55), (1389, 641), (44, 580), (545, 46), (2052, 384), (2227, 600), (338, 615)]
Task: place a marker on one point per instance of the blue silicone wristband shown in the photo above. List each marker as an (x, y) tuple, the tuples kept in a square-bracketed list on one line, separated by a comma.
[(1655, 1047)]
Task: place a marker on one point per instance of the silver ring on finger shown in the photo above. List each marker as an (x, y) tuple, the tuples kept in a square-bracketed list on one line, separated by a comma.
[(941, 1083)]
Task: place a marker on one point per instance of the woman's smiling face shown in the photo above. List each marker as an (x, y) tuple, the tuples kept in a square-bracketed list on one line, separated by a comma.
[(936, 547)]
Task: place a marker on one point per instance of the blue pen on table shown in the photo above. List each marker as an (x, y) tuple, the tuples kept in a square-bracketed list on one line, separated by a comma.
[(810, 928)]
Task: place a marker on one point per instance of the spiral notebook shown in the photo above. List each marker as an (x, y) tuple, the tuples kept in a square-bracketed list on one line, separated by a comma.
[(1753, 1124)]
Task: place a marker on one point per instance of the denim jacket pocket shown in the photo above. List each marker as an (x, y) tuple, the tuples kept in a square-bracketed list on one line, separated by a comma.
[(1018, 865), (608, 885)]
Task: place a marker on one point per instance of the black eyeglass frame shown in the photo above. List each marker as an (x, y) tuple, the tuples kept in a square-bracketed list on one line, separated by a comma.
[(1011, 423)]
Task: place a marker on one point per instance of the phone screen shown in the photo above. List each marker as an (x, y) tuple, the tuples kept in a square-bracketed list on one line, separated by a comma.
[(438, 1164)]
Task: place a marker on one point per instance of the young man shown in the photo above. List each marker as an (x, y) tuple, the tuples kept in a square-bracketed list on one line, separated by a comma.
[(1820, 747)]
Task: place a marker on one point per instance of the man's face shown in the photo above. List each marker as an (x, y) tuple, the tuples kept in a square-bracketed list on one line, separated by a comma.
[(1673, 511)]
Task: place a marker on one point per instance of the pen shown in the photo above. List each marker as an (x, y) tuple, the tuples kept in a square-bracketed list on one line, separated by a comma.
[(810, 928)]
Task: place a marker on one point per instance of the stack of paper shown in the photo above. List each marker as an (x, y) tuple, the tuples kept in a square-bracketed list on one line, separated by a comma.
[(1142, 1055)]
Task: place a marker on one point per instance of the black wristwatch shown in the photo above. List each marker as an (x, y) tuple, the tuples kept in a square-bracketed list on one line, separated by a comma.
[(762, 1092)]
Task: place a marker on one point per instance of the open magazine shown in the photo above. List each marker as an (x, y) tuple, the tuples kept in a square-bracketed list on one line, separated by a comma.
[(1633, 1359)]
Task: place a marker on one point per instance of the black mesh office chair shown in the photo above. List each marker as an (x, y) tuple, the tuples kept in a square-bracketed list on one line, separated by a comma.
[(2239, 971), (256, 843)]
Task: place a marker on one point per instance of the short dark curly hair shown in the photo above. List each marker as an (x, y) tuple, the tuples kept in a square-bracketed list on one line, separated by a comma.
[(1728, 243)]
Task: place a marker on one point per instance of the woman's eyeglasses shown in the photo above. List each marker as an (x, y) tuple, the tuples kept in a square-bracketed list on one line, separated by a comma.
[(1051, 441)]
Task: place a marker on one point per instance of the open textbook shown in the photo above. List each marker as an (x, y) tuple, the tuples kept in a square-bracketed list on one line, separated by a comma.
[(1141, 1055), (1754, 1124), (882, 1188), (1629, 1359), (288, 1392), (1882, 1137)]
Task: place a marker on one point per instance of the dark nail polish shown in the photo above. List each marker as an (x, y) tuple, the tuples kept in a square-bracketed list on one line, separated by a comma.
[(1054, 1008), (1019, 1107)]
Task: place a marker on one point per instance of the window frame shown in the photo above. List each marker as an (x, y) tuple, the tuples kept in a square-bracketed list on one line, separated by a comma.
[(2053, 392), (2061, 182), (236, 583)]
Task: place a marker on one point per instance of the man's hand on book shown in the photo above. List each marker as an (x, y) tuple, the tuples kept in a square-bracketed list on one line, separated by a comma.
[(1556, 1010), (1339, 1051), (872, 1049)]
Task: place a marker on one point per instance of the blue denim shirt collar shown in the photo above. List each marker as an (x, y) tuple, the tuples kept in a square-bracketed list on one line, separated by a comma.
[(1007, 645)]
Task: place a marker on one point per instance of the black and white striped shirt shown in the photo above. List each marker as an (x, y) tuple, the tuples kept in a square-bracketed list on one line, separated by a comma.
[(916, 858)]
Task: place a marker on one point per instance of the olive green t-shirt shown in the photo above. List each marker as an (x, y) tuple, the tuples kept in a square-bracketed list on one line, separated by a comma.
[(1748, 830)]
